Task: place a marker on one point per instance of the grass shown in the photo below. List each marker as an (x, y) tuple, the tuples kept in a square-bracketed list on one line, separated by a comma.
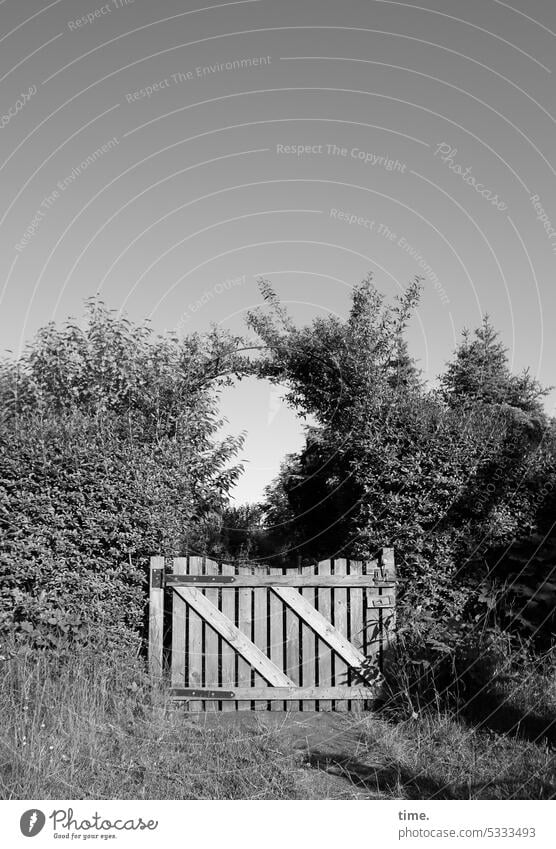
[(89, 725), (92, 727), (437, 757)]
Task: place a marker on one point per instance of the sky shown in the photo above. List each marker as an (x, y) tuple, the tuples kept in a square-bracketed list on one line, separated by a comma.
[(166, 154)]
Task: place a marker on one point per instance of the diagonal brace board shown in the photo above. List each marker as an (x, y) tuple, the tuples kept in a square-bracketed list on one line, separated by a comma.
[(327, 632), (242, 644)]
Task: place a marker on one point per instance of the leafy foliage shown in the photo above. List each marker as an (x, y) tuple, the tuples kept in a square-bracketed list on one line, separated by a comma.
[(107, 453), (444, 475)]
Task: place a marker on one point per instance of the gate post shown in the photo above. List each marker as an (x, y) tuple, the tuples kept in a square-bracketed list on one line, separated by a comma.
[(388, 566), (156, 616)]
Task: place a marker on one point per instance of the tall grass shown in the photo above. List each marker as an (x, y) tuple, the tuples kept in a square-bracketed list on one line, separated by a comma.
[(464, 725), (437, 757), (475, 722), (90, 725)]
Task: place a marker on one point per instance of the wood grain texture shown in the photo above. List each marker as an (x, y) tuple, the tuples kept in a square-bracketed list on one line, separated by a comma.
[(248, 650), (371, 618), (340, 614), (356, 624), (178, 629), (260, 625), (279, 638), (245, 618), (293, 693), (228, 655), (319, 621), (276, 611), (293, 648), (211, 640), (308, 640), (287, 579), (156, 621), (322, 619), (194, 639), (389, 615)]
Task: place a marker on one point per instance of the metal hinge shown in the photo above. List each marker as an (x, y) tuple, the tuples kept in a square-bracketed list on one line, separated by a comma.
[(202, 694), (199, 579)]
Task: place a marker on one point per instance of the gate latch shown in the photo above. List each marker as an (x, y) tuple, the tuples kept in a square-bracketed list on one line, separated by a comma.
[(157, 579), (374, 601)]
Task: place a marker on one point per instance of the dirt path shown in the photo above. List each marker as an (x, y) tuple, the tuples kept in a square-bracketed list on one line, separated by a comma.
[(328, 745)]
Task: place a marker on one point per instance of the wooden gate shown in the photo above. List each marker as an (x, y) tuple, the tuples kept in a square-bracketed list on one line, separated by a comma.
[(252, 637)]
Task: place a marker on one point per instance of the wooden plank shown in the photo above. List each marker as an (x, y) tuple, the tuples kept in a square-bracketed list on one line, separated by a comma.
[(211, 641), (320, 623), (156, 618), (371, 617), (324, 601), (178, 629), (244, 624), (260, 616), (356, 623), (293, 648), (340, 621), (291, 693), (233, 635), (289, 579), (308, 640), (389, 617), (195, 640), (228, 655), (276, 648)]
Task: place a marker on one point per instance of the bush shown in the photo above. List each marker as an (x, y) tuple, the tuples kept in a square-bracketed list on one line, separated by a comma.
[(448, 476), (107, 454), (485, 678)]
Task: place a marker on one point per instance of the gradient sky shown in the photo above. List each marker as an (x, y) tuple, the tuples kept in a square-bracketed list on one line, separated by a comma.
[(196, 192)]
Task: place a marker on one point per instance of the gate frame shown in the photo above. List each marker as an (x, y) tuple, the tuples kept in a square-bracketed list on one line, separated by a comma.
[(162, 578)]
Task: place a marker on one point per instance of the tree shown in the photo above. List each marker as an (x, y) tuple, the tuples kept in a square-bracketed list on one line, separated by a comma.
[(364, 460), (346, 375), (505, 420), (238, 534), (480, 372), (438, 474), (309, 507)]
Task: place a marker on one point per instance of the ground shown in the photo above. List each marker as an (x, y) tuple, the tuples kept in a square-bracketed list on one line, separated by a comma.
[(327, 743)]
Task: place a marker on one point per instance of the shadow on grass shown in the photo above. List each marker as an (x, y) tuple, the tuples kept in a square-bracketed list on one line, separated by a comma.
[(492, 712), (397, 781)]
